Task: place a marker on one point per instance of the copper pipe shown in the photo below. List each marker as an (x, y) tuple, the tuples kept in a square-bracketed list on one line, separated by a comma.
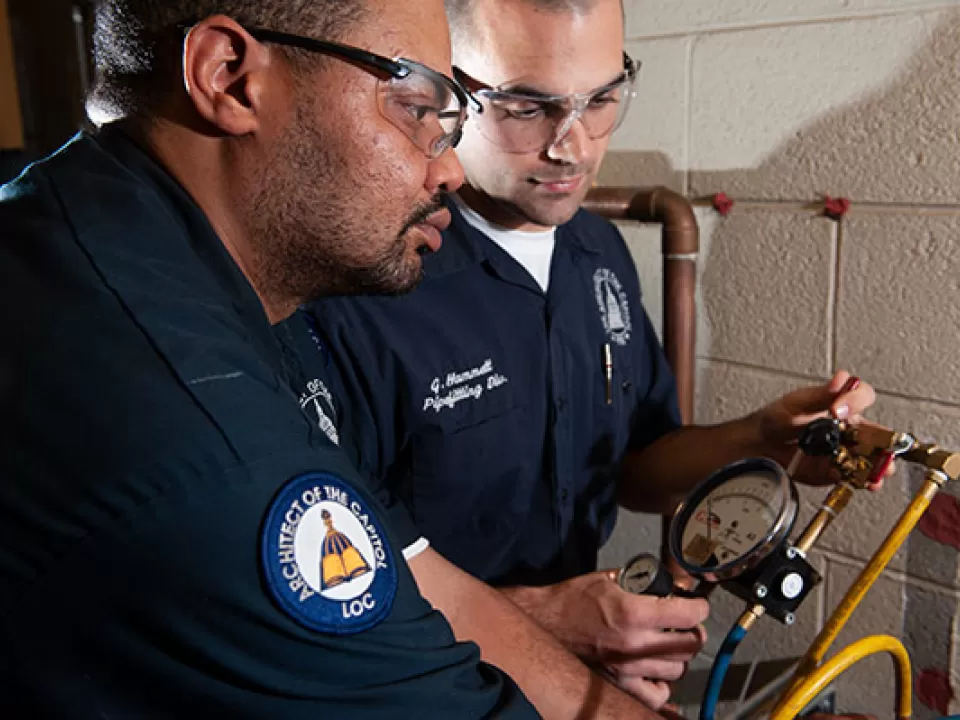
[(680, 244)]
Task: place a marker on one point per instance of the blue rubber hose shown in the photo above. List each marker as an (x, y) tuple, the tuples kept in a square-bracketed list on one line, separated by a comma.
[(719, 671)]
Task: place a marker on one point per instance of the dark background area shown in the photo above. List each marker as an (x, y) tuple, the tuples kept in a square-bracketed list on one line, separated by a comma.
[(51, 56)]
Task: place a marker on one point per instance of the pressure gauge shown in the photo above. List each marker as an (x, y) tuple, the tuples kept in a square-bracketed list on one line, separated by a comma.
[(733, 519), (645, 575)]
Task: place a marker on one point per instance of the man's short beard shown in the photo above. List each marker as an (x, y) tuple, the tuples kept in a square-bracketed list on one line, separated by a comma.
[(310, 232), (303, 266), (390, 275)]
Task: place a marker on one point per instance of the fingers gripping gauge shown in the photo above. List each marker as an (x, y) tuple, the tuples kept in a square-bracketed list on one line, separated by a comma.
[(733, 520)]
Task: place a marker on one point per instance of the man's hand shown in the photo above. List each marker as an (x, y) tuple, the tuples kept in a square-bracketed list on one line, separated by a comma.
[(781, 421), (779, 424), (557, 683), (627, 637)]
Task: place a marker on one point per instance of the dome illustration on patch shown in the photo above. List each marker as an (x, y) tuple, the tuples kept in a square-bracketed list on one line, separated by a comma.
[(613, 306), (318, 399), (614, 318), (340, 560)]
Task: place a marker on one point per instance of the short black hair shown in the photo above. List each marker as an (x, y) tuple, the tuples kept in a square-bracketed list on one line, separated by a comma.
[(136, 41), (460, 14)]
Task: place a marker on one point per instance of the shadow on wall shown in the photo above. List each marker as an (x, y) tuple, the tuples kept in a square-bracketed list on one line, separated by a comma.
[(911, 125), (899, 144)]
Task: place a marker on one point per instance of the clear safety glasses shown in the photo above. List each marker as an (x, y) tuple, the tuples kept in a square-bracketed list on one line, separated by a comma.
[(427, 106), (521, 122)]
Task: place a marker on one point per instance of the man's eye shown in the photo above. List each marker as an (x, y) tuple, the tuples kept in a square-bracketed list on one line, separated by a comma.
[(604, 100), (418, 105), (419, 112), (522, 110), (526, 113)]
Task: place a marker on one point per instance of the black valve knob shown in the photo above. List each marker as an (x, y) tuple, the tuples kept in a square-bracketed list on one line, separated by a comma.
[(821, 438)]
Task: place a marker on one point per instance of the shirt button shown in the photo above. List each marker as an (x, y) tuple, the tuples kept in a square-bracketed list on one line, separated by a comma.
[(561, 404), (563, 495)]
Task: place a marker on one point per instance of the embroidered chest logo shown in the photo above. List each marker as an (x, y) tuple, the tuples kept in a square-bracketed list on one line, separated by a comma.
[(613, 305), (317, 403), (470, 384), (326, 557)]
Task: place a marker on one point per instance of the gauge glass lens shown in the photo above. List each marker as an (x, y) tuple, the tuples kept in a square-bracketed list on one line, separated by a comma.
[(733, 519), (640, 574)]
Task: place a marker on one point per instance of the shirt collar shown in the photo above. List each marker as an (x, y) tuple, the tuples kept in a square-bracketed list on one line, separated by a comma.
[(174, 246), (581, 232), (181, 209), (464, 246)]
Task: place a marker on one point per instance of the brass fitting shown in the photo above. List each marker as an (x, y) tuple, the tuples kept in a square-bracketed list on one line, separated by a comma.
[(932, 456), (868, 439), (865, 445), (855, 468)]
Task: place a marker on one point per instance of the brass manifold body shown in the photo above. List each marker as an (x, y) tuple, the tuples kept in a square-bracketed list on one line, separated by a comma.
[(863, 446)]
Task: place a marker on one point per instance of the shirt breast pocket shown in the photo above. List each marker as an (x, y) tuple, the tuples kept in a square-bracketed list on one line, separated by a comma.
[(472, 476)]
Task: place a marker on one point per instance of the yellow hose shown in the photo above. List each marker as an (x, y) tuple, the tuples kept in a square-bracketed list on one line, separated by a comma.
[(910, 517), (815, 682)]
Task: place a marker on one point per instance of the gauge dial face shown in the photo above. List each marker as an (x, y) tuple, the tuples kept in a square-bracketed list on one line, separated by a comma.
[(640, 574), (733, 519)]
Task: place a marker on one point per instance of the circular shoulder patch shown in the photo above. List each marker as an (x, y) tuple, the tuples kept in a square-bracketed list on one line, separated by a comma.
[(325, 556)]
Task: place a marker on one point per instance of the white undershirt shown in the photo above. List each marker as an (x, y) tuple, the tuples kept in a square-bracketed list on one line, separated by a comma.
[(533, 250)]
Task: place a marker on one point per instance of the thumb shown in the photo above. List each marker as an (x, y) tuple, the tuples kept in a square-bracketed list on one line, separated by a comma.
[(678, 613), (815, 399)]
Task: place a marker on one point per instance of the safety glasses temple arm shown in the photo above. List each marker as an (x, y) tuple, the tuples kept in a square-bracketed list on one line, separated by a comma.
[(379, 62)]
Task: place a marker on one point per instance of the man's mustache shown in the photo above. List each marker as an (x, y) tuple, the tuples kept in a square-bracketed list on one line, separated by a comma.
[(422, 212)]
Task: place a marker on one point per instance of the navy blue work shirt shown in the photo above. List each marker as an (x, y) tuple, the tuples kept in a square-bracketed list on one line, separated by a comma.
[(177, 538), (479, 402)]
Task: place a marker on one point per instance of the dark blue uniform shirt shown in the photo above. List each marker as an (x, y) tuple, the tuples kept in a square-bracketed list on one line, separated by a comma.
[(479, 402), (177, 538)]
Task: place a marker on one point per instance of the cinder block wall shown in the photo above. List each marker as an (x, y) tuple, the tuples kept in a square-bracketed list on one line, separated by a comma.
[(778, 103)]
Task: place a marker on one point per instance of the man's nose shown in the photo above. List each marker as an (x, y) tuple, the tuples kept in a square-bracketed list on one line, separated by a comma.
[(445, 173), (570, 140)]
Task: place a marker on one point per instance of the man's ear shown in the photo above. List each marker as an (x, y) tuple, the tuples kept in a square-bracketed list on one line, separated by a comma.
[(225, 72)]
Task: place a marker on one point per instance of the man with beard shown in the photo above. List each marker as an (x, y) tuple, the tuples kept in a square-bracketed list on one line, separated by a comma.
[(520, 394), (177, 537)]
